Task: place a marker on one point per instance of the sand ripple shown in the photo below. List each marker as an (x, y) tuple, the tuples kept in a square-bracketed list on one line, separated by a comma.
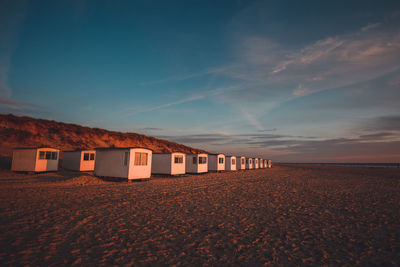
[(288, 215)]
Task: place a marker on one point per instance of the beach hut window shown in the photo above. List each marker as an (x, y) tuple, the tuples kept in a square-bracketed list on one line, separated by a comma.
[(91, 156), (242, 161), (202, 160), (233, 161), (48, 155), (42, 155), (126, 155), (221, 160), (250, 161), (140, 159), (85, 156), (53, 155), (178, 159)]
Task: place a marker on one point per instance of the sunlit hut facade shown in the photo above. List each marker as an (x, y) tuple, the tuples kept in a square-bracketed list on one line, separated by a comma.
[(230, 163), (216, 162), (79, 160), (197, 163), (169, 163), (269, 163), (128, 162), (255, 163), (35, 159), (240, 163), (249, 163), (261, 162)]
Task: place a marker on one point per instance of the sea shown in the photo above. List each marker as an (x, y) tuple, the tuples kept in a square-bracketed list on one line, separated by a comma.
[(373, 165)]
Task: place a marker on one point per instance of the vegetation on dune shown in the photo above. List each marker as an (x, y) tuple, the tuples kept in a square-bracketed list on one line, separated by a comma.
[(18, 131)]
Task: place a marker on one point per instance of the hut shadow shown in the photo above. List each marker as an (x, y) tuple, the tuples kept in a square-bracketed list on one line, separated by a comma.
[(5, 162), (167, 176), (59, 176), (112, 179), (65, 175)]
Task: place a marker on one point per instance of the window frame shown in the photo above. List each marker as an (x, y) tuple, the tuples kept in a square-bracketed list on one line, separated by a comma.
[(141, 159), (48, 155), (178, 159), (202, 160)]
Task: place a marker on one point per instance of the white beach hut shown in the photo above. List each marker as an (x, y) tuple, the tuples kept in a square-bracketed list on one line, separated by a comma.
[(230, 163), (269, 163), (35, 159), (216, 162), (169, 163), (240, 163), (196, 163), (249, 163), (265, 163), (261, 162), (79, 160), (255, 163), (125, 162)]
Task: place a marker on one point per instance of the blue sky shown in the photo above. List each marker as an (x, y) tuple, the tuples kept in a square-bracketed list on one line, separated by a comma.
[(292, 81)]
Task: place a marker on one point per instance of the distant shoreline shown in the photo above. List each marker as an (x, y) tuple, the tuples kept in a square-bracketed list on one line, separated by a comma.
[(373, 165)]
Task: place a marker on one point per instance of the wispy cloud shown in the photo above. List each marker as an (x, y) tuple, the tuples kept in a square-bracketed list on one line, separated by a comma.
[(254, 139), (268, 130), (15, 103), (251, 118), (183, 77), (167, 105), (333, 62), (12, 13), (382, 123), (271, 73), (8, 105), (198, 138), (151, 129), (301, 148), (192, 98), (371, 26)]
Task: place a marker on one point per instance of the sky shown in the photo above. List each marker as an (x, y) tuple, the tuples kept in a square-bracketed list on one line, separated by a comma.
[(293, 81)]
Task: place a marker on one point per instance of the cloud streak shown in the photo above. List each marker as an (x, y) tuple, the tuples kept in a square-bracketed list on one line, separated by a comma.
[(382, 139), (192, 98), (170, 104), (12, 13), (15, 103), (383, 123), (285, 73)]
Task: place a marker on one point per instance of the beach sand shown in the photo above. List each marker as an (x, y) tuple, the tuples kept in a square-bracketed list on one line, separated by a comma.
[(287, 215)]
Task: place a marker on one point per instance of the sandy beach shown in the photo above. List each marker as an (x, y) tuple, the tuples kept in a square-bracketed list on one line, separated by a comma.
[(287, 215)]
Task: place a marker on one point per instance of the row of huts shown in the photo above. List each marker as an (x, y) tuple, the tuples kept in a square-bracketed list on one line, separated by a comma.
[(130, 162)]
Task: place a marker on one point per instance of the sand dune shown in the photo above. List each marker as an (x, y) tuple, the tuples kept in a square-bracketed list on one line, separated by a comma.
[(18, 131), (287, 215)]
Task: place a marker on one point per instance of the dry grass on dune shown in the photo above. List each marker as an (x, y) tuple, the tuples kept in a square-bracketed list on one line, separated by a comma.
[(18, 131), (288, 215)]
